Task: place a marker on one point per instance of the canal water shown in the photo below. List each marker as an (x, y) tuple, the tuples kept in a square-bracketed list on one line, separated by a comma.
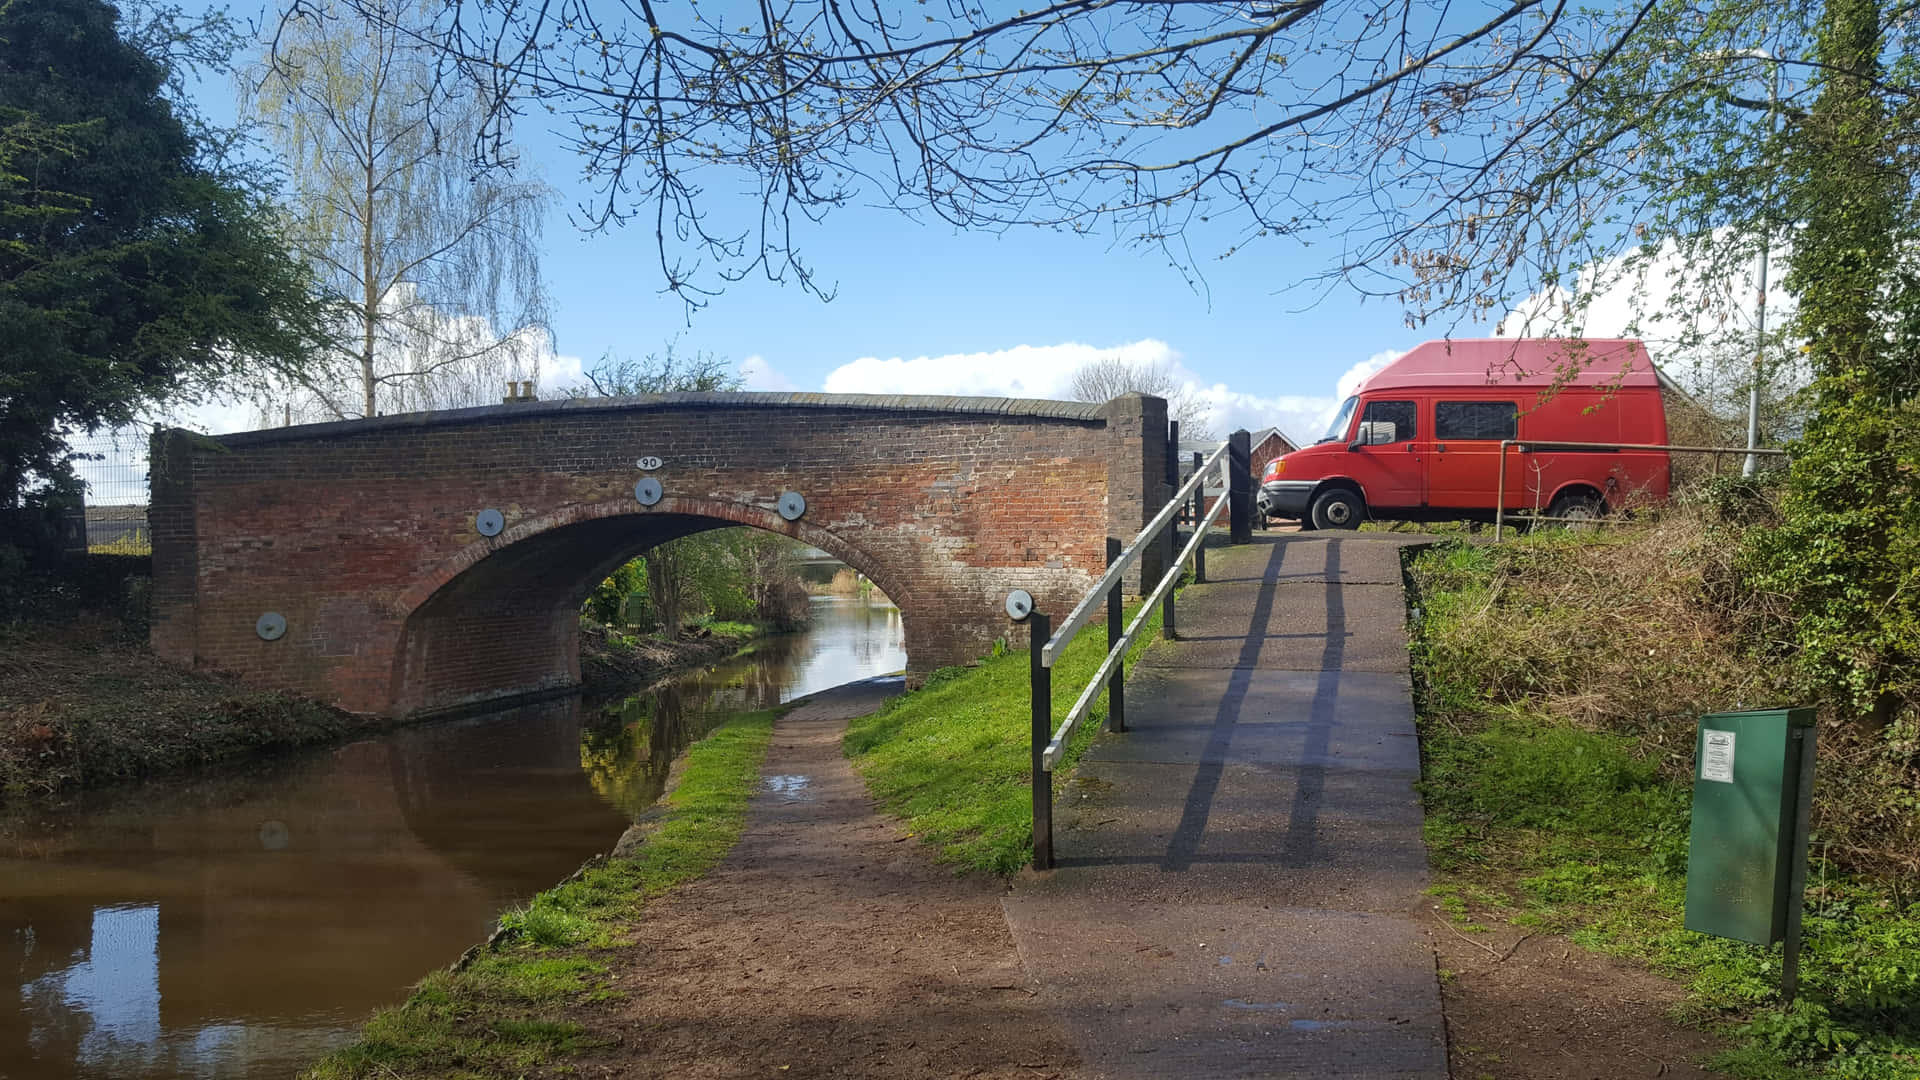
[(241, 922)]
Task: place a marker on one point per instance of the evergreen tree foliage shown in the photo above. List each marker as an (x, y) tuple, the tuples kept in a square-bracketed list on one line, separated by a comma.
[(135, 269)]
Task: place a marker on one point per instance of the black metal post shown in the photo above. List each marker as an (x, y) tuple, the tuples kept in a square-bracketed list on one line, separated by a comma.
[(1240, 487), (1797, 877), (1116, 627), (1172, 543), (1200, 515), (1042, 690)]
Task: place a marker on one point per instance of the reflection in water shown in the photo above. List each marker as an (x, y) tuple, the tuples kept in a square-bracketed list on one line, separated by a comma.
[(242, 922)]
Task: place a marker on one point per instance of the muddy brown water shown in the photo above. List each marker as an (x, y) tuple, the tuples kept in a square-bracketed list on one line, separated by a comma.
[(243, 921)]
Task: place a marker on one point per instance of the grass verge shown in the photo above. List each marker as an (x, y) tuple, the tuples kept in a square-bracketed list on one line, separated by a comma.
[(512, 1006), (1551, 806), (954, 758)]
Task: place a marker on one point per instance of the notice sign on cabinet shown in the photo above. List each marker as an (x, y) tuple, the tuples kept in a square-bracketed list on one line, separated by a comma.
[(1716, 756)]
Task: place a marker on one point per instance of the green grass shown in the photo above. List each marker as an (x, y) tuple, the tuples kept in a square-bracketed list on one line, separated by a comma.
[(510, 1010), (728, 627), (1553, 826), (953, 758)]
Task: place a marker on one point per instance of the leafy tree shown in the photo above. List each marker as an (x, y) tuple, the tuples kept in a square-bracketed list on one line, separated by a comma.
[(1103, 380), (664, 372), (136, 267), (1848, 551), (672, 569), (434, 255)]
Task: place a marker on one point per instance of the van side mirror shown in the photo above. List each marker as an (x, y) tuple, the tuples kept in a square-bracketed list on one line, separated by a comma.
[(1374, 433)]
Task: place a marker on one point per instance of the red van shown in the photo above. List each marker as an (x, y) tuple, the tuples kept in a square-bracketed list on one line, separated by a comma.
[(1421, 439)]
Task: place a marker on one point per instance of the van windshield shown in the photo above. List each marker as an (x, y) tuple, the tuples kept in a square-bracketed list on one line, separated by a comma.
[(1338, 429)]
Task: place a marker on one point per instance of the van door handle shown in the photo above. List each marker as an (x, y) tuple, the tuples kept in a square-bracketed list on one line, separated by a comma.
[(1440, 447)]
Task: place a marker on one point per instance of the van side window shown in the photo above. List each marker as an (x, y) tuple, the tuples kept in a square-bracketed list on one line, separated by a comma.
[(1398, 413), (1475, 420)]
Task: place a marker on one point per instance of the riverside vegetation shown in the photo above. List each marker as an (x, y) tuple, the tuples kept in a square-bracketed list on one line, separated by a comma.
[(1559, 680), (505, 1008)]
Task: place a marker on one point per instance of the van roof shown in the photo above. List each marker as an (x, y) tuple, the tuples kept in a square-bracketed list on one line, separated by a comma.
[(1519, 362)]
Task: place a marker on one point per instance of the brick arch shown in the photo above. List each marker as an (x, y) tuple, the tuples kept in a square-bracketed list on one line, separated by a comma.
[(459, 603), (722, 513), (361, 534)]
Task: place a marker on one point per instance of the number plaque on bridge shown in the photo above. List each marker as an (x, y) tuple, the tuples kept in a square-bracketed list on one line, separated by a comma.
[(649, 463)]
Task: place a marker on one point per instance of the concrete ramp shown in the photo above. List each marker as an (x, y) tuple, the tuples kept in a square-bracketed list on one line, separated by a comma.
[(1240, 875)]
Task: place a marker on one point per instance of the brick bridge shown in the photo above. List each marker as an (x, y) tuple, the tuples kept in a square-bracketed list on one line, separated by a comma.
[(368, 540)]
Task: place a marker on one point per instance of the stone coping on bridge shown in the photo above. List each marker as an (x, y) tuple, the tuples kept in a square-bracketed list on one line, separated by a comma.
[(740, 399)]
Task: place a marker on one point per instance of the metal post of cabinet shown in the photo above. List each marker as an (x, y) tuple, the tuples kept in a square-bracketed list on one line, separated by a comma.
[(1116, 628), (1797, 883), (1200, 515), (1239, 491), (1041, 678)]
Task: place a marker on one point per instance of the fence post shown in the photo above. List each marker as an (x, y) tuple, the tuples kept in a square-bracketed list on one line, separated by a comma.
[(1240, 487), (1042, 690), (1116, 628), (1199, 515), (1172, 545)]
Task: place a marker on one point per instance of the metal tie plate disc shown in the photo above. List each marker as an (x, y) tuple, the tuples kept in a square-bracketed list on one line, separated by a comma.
[(1019, 605), (792, 505), (271, 627), (647, 491), (489, 522)]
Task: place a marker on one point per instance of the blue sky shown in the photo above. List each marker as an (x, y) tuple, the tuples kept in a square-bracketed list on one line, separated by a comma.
[(922, 307)]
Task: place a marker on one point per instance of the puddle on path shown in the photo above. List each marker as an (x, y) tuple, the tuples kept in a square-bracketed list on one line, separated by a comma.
[(790, 787)]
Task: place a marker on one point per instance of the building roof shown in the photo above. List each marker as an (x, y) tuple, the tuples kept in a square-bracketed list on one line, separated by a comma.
[(1519, 362), (1268, 433)]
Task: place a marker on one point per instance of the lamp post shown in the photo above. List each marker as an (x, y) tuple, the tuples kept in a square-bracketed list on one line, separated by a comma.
[(1766, 245)]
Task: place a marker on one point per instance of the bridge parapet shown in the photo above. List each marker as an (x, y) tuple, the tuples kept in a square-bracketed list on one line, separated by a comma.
[(366, 536)]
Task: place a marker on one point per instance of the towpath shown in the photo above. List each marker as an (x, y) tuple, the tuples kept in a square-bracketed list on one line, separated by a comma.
[(1240, 876)]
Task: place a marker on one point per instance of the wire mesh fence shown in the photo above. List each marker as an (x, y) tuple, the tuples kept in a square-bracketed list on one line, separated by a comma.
[(114, 466)]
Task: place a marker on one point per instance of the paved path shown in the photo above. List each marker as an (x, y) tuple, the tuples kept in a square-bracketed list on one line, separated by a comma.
[(1239, 890)]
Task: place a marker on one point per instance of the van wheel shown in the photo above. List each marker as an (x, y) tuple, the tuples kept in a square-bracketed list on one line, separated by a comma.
[(1581, 511), (1338, 508)]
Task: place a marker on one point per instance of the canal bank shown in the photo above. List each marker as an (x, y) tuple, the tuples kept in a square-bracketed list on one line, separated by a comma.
[(243, 921), (85, 703)]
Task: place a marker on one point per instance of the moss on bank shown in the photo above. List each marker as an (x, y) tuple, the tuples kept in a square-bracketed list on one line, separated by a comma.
[(1559, 680), (508, 1009)]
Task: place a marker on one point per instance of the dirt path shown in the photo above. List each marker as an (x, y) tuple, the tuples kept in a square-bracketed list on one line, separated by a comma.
[(1526, 1006), (826, 944)]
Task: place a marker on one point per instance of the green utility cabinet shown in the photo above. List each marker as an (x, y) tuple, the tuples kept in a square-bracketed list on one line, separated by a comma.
[(1747, 851)]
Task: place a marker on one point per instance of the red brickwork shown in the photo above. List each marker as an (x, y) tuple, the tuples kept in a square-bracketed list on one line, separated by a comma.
[(362, 534)]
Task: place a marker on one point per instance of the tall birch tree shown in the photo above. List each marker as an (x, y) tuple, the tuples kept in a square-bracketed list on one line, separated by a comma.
[(429, 245)]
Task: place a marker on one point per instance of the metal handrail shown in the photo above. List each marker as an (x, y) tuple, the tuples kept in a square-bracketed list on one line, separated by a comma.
[(1049, 743), (1527, 446), (1082, 612), (1057, 746)]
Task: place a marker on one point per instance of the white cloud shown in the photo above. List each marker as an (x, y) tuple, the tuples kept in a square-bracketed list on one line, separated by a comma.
[(1046, 371), (1298, 416), (1630, 300), (1029, 371), (757, 374), (1359, 373)]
